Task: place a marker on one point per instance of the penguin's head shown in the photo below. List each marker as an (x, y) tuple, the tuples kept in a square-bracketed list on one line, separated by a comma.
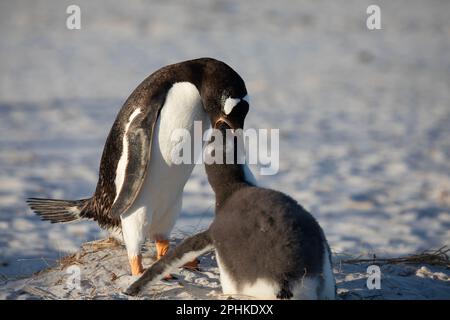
[(232, 113), (224, 95)]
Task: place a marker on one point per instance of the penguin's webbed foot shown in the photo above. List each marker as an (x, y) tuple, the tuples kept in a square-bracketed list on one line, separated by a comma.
[(136, 265)]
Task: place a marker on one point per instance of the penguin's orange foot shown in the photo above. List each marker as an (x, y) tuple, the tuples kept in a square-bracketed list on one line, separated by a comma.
[(192, 265), (162, 247), (136, 265)]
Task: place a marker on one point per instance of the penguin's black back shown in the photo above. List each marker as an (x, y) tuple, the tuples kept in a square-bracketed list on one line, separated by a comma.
[(261, 233)]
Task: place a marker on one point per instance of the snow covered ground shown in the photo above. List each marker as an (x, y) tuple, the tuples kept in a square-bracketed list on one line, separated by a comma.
[(363, 115)]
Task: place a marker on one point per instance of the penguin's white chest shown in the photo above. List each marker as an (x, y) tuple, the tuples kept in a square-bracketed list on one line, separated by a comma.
[(159, 199)]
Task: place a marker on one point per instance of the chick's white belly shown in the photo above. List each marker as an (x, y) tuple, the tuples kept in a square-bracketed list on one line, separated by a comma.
[(260, 289)]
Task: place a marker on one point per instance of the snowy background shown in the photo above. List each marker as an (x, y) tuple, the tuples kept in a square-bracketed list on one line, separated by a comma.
[(364, 116)]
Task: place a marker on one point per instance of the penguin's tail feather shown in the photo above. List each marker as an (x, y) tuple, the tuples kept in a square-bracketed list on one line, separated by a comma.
[(186, 251), (58, 211)]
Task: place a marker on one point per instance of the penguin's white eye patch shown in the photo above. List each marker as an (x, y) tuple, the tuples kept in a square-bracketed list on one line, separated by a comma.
[(230, 103)]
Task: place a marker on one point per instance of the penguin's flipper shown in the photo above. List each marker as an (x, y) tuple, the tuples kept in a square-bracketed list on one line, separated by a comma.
[(138, 135), (186, 251)]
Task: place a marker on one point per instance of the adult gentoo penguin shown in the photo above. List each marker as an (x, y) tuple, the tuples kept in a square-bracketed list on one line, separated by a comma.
[(139, 187), (267, 246)]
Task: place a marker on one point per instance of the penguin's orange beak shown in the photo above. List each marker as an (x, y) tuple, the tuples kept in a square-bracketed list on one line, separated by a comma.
[(222, 120)]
